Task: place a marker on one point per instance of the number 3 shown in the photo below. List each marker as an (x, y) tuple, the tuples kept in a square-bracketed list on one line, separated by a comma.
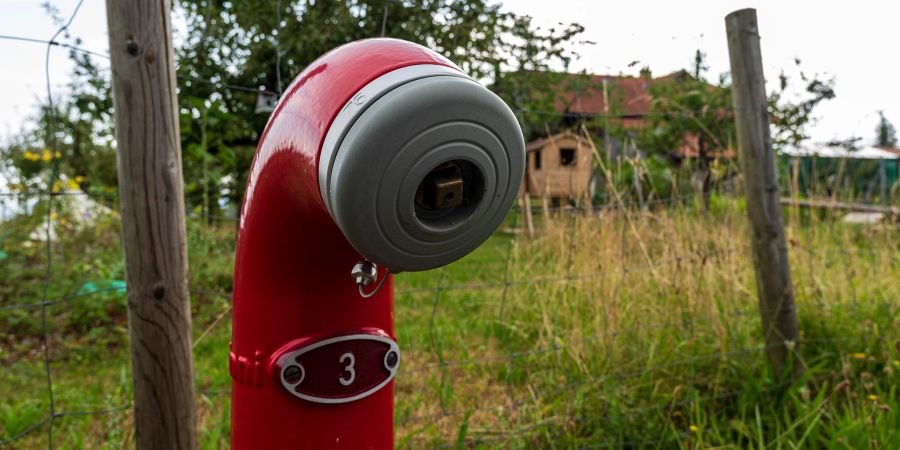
[(348, 368)]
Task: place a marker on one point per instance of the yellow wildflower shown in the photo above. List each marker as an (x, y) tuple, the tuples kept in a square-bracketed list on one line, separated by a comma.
[(873, 397), (31, 156), (46, 155), (58, 154), (694, 428), (858, 356)]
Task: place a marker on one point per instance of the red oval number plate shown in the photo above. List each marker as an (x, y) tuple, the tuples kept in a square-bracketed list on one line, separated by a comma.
[(339, 369)]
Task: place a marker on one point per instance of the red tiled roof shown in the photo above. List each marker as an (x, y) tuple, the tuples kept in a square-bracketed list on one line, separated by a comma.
[(629, 99), (628, 95)]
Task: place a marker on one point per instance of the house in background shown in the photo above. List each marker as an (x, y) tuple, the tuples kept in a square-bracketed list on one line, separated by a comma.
[(558, 168), (629, 99)]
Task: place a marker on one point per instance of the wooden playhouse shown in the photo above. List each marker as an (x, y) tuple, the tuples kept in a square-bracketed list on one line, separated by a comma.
[(558, 169)]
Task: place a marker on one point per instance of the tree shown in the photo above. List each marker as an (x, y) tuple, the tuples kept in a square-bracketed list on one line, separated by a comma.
[(229, 51), (524, 77), (791, 113), (259, 43), (84, 134), (686, 110), (885, 133)]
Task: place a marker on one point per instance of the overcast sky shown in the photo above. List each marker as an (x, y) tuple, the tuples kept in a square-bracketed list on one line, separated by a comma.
[(854, 42)]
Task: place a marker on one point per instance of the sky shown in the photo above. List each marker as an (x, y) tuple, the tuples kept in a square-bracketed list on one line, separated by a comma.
[(853, 42)]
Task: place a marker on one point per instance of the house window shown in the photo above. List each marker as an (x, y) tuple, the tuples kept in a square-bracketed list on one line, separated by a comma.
[(567, 156), (537, 159)]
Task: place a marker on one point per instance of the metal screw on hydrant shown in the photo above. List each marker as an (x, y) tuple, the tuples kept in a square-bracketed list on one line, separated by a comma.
[(391, 359), (294, 374), (364, 273)]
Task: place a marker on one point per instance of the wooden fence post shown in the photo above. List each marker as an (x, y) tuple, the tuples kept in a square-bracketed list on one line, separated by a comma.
[(153, 228), (757, 159), (526, 209)]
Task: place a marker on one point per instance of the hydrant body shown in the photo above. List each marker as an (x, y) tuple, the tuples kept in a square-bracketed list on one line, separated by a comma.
[(312, 362)]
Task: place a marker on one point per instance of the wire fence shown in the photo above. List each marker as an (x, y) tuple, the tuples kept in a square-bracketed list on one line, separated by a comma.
[(569, 277), (509, 284)]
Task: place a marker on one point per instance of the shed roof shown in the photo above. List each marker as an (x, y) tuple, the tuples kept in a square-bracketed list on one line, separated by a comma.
[(540, 143)]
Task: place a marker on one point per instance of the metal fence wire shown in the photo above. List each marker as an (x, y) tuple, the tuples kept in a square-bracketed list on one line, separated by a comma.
[(439, 350), (432, 362)]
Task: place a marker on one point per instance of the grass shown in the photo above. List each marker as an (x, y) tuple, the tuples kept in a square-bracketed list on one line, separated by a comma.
[(635, 330)]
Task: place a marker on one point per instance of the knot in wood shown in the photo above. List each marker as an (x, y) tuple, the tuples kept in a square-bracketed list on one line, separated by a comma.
[(132, 48)]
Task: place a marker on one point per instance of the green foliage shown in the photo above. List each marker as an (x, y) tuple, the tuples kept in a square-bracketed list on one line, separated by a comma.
[(689, 114), (524, 79), (621, 352), (536, 93), (267, 43), (250, 44), (885, 133), (80, 148), (16, 418), (212, 160), (792, 113), (84, 134), (846, 179), (685, 107), (651, 179)]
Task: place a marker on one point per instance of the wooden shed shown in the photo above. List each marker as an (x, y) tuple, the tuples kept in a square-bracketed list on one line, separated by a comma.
[(559, 168)]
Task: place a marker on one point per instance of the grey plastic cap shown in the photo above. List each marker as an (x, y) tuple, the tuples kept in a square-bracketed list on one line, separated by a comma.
[(393, 148)]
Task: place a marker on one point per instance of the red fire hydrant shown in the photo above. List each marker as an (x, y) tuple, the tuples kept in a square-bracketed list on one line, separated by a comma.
[(381, 157)]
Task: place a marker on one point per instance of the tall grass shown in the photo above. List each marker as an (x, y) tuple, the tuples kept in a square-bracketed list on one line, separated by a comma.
[(618, 329), (642, 330)]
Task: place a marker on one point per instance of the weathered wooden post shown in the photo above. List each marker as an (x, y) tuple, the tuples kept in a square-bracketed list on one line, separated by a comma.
[(152, 205), (526, 210), (757, 159)]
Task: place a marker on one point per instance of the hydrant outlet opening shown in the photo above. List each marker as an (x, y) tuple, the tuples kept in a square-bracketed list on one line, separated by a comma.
[(449, 194)]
